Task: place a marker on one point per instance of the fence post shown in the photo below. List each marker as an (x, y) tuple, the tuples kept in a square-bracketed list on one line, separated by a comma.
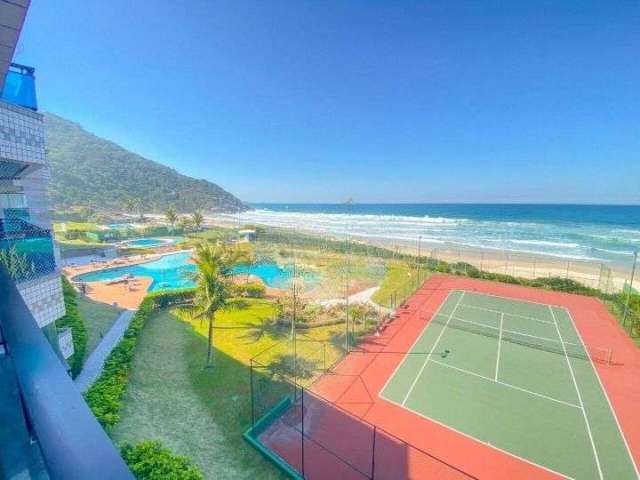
[(324, 357), (630, 289), (302, 422), (373, 454), (253, 414)]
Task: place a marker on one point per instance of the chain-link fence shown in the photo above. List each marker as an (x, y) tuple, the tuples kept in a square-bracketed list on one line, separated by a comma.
[(313, 438)]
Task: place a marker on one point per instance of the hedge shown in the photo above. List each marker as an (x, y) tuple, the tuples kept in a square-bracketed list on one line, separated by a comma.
[(149, 460), (104, 397), (73, 320)]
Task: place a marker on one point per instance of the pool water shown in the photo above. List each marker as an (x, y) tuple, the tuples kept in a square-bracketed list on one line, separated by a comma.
[(174, 271), (149, 242), (274, 275), (167, 273)]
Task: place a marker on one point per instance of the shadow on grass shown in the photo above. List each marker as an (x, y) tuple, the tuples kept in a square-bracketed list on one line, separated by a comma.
[(198, 412)]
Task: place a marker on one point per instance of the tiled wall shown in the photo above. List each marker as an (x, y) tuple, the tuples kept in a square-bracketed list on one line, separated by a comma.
[(22, 140), (44, 298), (21, 134)]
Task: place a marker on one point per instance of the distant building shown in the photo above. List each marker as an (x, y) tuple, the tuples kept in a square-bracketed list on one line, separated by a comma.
[(247, 235)]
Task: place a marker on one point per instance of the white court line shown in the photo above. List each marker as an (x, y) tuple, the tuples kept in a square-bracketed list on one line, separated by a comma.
[(499, 345), (424, 331), (475, 439), (575, 384), (508, 385), (510, 314), (606, 395), (426, 361), (515, 332), (511, 298)]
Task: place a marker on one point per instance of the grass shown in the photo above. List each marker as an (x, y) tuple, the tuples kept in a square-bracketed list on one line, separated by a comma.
[(399, 281), (79, 226), (98, 318), (202, 412)]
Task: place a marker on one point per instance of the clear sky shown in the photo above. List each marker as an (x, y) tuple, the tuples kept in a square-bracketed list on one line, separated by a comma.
[(318, 101)]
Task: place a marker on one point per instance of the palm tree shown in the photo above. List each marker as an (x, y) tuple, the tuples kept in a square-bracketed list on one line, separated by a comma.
[(212, 283), (185, 223), (129, 204), (172, 216), (197, 219)]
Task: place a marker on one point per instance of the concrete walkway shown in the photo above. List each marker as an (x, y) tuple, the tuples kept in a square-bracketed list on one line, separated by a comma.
[(93, 366), (361, 297)]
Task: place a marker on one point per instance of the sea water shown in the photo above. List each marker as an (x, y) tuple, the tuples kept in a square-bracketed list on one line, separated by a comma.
[(602, 233)]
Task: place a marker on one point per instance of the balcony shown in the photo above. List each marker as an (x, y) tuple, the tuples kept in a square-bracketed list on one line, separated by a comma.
[(26, 250), (47, 431), (20, 87)]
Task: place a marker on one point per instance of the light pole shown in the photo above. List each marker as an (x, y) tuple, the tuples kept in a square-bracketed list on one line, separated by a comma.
[(633, 273)]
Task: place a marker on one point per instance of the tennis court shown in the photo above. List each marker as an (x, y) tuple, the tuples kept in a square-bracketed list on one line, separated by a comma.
[(515, 375)]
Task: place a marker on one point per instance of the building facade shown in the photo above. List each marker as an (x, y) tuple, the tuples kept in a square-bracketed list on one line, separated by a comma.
[(27, 248)]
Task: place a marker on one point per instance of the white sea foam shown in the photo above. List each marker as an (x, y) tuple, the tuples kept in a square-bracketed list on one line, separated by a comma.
[(573, 242)]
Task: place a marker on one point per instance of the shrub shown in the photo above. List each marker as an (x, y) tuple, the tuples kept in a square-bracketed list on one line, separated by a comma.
[(73, 320), (105, 396), (149, 460), (251, 290)]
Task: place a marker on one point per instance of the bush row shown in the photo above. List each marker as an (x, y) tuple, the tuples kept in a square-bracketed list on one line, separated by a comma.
[(149, 460), (73, 320), (104, 397), (250, 290)]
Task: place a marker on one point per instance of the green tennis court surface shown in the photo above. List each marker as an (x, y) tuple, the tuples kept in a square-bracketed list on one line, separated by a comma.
[(516, 375)]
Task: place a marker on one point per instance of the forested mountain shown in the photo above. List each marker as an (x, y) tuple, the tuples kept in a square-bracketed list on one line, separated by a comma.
[(89, 171)]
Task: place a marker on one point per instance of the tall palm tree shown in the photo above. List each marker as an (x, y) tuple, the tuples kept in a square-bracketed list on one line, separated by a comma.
[(197, 219), (212, 283), (172, 216)]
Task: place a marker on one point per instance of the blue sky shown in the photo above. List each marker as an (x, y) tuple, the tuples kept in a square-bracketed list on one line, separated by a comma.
[(318, 101)]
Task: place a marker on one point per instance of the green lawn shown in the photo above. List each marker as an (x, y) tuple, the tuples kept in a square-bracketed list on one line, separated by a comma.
[(198, 412), (98, 318)]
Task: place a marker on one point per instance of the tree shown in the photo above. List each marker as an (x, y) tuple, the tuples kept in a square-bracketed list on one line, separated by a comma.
[(197, 219), (172, 216), (185, 223), (214, 263), (133, 204)]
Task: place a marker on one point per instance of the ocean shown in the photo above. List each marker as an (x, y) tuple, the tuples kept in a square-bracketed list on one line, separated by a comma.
[(602, 233)]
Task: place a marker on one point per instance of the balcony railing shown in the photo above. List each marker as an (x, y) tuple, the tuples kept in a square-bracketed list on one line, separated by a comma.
[(26, 250), (20, 87), (72, 443)]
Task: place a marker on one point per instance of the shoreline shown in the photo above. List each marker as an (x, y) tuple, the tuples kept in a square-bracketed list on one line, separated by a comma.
[(607, 276)]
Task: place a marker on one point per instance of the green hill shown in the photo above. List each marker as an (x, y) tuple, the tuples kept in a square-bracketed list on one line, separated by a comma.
[(89, 171)]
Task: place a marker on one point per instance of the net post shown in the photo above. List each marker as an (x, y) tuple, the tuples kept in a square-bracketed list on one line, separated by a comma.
[(373, 454)]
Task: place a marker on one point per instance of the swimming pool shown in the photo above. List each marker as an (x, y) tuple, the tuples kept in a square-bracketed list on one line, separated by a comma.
[(148, 242), (274, 275), (167, 273), (174, 271)]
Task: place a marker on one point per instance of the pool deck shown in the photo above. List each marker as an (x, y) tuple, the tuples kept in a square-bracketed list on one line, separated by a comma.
[(127, 295)]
